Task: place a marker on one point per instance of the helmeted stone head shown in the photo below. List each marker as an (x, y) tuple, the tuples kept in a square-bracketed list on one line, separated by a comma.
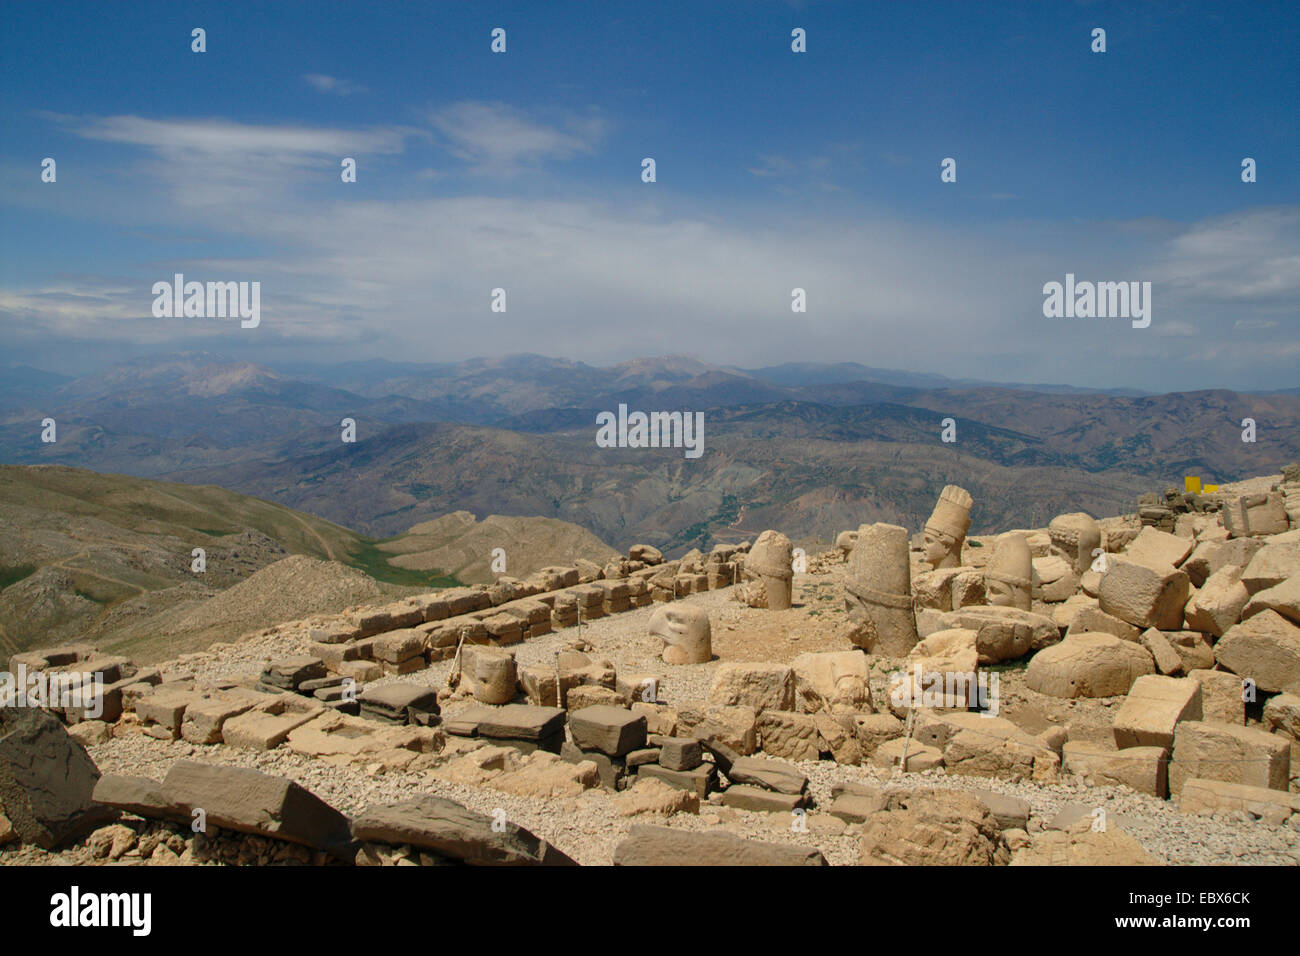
[(946, 530), (878, 590), (1009, 577), (769, 572), (1075, 536)]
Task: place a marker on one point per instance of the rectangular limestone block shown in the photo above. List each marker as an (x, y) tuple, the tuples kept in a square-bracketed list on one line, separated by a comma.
[(1144, 769), (1144, 596), (1153, 708), (1265, 648), (466, 600), (1221, 697), (1255, 514), (701, 780), (268, 725), (204, 719), (165, 709), (333, 656), (756, 799), (1158, 549), (394, 647), (1216, 796), (1168, 660), (1093, 620), (680, 753), (1215, 751), (613, 731), (521, 722)]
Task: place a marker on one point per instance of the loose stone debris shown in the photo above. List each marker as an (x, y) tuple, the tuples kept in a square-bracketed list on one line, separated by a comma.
[(1123, 691)]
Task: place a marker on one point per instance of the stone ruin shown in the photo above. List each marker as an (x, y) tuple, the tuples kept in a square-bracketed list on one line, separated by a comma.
[(1193, 633)]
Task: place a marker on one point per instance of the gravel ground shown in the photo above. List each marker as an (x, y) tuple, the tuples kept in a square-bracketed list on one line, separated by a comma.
[(589, 827)]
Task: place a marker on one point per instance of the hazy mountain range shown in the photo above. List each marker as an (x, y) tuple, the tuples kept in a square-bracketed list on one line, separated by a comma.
[(807, 448)]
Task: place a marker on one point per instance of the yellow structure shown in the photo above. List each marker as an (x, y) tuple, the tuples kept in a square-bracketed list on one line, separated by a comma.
[(1192, 484), (1210, 489)]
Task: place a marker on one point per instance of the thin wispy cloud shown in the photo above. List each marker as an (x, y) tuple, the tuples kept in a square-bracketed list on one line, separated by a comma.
[(332, 84), (496, 138)]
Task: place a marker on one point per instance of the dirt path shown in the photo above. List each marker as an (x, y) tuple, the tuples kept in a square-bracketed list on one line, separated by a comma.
[(329, 552)]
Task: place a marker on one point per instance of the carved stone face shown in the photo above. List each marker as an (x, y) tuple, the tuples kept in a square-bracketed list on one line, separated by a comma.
[(999, 593), (936, 549), (685, 631)]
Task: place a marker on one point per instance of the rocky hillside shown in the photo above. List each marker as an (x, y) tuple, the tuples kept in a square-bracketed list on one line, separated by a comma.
[(109, 558)]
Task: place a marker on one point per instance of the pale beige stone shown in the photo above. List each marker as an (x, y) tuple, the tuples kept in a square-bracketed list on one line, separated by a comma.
[(932, 828), (1158, 549), (1080, 845), (1221, 696), (995, 747), (761, 686), (872, 730), (945, 531), (1008, 579), (1255, 514), (1168, 660), (1075, 536), (1265, 648), (1144, 769), (1217, 751), (685, 631), (1274, 807), (1004, 633), (768, 573), (878, 590), (832, 682), (1271, 565), (737, 726), (1218, 603), (1143, 596), (1093, 620), (1088, 665), (1282, 715), (889, 755), (1283, 598), (1153, 709), (1054, 579), (493, 672), (789, 735), (654, 797)]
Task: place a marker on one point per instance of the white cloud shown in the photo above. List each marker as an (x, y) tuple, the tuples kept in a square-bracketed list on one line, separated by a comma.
[(332, 84), (496, 138), (410, 278)]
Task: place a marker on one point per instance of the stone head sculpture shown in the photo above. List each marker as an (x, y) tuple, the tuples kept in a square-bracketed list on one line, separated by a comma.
[(878, 590), (946, 530), (1075, 536), (1008, 579), (845, 541), (685, 631), (494, 675), (769, 572)]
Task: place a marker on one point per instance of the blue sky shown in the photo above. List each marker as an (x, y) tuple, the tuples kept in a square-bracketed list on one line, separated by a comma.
[(775, 170)]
